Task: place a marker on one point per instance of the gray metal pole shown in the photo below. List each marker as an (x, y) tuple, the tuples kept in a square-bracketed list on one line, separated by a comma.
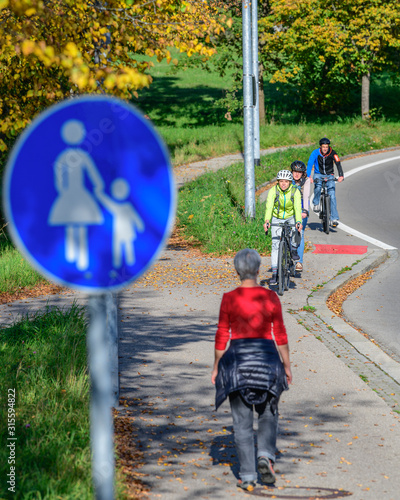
[(101, 423), (256, 109), (112, 330), (250, 203)]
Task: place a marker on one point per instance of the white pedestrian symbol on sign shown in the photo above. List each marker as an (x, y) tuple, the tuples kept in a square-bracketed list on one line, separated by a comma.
[(76, 207), (125, 221)]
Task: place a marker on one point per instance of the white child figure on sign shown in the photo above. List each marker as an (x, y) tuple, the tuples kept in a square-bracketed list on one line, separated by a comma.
[(125, 221)]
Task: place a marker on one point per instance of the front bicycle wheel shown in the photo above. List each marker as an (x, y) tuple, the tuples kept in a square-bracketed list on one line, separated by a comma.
[(281, 266), (327, 213), (287, 266)]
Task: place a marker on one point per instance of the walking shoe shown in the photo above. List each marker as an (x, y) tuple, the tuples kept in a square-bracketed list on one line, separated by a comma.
[(264, 466), (273, 280), (316, 208), (295, 255), (334, 223), (299, 266), (246, 485)]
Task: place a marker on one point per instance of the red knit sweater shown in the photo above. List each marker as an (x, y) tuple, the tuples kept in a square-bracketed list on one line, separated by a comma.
[(250, 313)]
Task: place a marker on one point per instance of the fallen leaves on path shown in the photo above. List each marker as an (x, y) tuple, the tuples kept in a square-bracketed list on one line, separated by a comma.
[(335, 301), (129, 457), (164, 275), (44, 288)]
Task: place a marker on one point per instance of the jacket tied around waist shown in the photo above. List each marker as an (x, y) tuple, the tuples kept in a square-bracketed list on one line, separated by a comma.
[(252, 367)]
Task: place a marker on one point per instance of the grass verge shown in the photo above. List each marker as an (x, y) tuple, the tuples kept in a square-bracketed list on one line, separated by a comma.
[(186, 105), (43, 359), (15, 272), (211, 208)]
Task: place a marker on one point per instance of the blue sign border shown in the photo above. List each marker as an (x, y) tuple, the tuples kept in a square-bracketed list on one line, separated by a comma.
[(8, 179)]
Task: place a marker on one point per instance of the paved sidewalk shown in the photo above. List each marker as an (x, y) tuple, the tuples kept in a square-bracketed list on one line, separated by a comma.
[(335, 432), (338, 436)]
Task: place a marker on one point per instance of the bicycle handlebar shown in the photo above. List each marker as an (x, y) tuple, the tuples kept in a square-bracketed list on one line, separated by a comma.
[(327, 178), (281, 225)]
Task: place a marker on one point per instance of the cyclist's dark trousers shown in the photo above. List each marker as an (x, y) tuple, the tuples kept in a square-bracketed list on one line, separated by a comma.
[(275, 236), (331, 191)]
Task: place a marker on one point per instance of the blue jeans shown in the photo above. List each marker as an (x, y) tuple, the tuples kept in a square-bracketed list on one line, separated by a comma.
[(300, 250), (242, 414), (331, 191)]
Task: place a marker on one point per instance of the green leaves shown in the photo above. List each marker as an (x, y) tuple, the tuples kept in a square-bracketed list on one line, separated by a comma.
[(325, 50)]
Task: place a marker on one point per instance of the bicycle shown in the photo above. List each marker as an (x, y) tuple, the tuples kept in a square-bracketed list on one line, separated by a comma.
[(286, 266), (325, 206)]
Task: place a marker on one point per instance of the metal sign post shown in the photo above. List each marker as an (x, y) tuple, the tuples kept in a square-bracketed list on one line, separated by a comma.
[(250, 203), (111, 306), (101, 400), (90, 199), (255, 62)]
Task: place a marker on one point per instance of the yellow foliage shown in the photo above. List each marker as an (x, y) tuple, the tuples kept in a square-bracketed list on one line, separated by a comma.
[(48, 54)]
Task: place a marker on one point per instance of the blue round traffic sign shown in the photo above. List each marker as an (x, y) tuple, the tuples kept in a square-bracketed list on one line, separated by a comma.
[(89, 193)]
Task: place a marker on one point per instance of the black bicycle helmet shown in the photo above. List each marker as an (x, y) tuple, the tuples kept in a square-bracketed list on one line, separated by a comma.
[(324, 140), (298, 166)]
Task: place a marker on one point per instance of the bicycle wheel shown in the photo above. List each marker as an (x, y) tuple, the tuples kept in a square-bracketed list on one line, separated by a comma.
[(292, 268), (327, 213), (281, 266), (286, 267)]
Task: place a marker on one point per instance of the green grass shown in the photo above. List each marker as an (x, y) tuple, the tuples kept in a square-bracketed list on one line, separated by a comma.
[(211, 208), (211, 212), (43, 357), (309, 308), (15, 271), (186, 106), (344, 270)]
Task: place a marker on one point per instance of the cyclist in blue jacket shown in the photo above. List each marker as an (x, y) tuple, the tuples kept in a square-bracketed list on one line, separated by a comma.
[(323, 160)]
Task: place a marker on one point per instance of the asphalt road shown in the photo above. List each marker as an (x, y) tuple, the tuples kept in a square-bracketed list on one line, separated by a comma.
[(369, 202)]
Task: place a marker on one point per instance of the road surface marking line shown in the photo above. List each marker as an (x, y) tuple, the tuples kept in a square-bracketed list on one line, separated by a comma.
[(365, 237), (369, 165), (354, 232)]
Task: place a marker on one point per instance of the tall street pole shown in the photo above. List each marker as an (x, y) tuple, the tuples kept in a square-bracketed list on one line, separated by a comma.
[(256, 108), (250, 204)]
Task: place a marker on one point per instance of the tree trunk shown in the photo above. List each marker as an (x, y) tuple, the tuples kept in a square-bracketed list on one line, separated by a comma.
[(261, 97), (365, 84)]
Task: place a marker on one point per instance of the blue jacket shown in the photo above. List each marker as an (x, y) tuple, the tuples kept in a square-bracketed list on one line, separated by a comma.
[(253, 367), (323, 164)]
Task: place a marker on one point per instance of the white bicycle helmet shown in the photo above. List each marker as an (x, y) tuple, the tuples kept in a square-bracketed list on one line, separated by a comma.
[(284, 174)]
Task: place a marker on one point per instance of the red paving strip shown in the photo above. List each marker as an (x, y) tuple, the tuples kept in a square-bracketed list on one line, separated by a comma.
[(341, 249)]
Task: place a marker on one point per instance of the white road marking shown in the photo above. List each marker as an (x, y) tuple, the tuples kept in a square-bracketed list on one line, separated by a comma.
[(365, 237), (369, 165), (356, 233)]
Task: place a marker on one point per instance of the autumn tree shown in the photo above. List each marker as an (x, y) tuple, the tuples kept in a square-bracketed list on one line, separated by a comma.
[(326, 47), (53, 49), (370, 28)]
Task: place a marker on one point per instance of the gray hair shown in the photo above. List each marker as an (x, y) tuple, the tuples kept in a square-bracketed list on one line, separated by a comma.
[(247, 263)]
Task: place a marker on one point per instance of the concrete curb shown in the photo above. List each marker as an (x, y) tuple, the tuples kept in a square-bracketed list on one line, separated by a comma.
[(371, 351)]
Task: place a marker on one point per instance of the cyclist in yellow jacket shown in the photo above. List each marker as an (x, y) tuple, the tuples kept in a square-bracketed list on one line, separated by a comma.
[(283, 203)]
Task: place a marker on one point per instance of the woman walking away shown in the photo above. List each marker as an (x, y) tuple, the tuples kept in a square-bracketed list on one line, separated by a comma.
[(303, 183), (255, 370)]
